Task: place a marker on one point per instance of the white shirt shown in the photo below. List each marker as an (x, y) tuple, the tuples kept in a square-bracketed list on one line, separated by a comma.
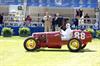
[(46, 18), (67, 34)]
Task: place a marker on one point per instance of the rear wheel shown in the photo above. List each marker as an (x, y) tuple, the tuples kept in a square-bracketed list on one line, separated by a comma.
[(30, 44), (74, 45)]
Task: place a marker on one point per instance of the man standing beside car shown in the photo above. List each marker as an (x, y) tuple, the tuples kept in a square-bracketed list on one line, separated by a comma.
[(47, 22)]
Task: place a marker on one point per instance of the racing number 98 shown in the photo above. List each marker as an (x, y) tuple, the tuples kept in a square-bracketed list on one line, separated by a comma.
[(79, 35)]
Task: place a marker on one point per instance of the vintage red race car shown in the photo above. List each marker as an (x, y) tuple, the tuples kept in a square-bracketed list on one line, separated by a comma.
[(54, 40)]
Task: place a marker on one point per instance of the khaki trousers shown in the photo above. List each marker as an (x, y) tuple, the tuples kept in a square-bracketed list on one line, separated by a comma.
[(47, 26)]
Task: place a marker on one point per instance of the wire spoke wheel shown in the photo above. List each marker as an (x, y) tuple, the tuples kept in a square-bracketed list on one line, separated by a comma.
[(30, 44), (74, 45)]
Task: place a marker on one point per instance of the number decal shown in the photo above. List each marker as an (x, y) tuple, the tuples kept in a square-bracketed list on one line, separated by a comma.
[(82, 35), (79, 35), (76, 35)]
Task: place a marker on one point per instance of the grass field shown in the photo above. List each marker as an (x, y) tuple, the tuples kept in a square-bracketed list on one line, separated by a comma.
[(12, 53)]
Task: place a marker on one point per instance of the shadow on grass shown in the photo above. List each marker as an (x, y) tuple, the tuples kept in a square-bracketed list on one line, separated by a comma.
[(49, 50), (53, 50), (87, 50), (60, 50)]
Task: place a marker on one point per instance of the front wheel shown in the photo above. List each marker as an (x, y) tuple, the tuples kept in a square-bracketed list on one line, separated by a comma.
[(74, 45), (30, 44)]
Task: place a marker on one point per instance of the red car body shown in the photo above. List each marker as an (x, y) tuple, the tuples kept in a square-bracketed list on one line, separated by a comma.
[(54, 40)]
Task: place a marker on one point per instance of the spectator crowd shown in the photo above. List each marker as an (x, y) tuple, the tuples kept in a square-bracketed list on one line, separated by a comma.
[(56, 21)]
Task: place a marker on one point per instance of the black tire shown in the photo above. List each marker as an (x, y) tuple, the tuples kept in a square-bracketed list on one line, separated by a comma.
[(83, 46), (35, 44), (77, 47)]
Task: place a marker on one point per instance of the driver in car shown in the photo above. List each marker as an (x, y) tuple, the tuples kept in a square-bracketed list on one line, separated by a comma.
[(66, 33)]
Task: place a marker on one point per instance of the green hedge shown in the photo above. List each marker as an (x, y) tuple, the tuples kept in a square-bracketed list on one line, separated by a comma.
[(98, 34), (91, 31), (7, 32), (24, 32)]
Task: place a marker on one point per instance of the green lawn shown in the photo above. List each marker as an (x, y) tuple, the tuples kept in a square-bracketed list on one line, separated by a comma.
[(12, 53)]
